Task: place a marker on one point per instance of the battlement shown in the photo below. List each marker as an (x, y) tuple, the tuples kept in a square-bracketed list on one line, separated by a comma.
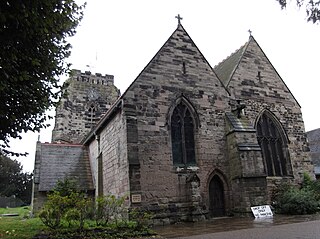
[(97, 78)]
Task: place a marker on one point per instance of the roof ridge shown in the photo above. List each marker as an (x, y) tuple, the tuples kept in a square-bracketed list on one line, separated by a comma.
[(234, 52), (226, 67)]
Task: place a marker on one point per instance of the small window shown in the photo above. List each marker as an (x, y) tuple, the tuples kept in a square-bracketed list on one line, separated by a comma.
[(273, 146), (182, 136), (92, 114)]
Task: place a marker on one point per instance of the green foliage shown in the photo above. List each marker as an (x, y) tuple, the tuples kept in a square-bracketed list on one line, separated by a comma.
[(23, 212), (311, 7), (53, 211), (66, 187), (66, 203), (33, 47), (289, 199), (70, 213), (109, 208), (297, 201), (15, 228), (311, 185), (79, 209), (141, 217), (13, 181)]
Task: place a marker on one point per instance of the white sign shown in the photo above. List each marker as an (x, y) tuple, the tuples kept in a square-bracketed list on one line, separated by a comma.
[(262, 211), (136, 198)]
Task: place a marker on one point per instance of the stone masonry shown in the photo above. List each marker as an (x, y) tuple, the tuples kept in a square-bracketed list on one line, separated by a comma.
[(217, 118), (86, 98), (256, 82)]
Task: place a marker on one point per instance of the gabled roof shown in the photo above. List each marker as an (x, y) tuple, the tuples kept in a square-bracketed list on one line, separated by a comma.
[(64, 160), (239, 124), (226, 68), (179, 28), (110, 113)]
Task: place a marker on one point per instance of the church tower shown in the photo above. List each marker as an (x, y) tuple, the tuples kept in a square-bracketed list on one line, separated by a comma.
[(86, 98)]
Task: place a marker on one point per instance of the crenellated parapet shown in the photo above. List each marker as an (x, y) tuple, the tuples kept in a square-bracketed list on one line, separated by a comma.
[(86, 98), (96, 78)]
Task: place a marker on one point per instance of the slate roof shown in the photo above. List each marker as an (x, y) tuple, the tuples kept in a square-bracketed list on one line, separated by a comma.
[(226, 68), (314, 145), (61, 160), (239, 124), (242, 125)]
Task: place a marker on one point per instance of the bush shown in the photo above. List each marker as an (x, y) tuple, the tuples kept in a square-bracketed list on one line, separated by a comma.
[(66, 203), (53, 211), (109, 208), (297, 201), (79, 209), (289, 199), (312, 185), (142, 218), (72, 212)]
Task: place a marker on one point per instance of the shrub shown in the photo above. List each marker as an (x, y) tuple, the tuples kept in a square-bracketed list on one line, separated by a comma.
[(297, 201), (69, 209), (66, 203), (109, 208), (141, 217), (79, 209), (312, 185), (289, 199), (53, 211)]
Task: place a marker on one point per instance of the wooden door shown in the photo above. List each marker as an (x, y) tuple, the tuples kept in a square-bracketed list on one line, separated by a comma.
[(216, 194)]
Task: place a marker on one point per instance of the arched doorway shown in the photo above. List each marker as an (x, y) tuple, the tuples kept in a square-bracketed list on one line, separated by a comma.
[(216, 197)]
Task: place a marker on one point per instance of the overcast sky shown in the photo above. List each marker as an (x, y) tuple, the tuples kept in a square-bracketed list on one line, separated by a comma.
[(120, 37)]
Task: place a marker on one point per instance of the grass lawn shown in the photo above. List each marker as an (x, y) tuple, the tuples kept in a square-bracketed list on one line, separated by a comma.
[(20, 227)]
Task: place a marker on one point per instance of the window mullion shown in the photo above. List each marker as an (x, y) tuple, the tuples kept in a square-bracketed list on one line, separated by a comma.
[(184, 153), (271, 142)]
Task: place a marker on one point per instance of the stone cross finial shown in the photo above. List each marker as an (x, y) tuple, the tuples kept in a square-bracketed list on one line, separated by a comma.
[(179, 19), (237, 107), (250, 32)]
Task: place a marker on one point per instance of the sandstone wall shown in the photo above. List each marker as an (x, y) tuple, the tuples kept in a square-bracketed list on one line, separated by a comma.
[(260, 87), (178, 70), (94, 153), (86, 98), (115, 168)]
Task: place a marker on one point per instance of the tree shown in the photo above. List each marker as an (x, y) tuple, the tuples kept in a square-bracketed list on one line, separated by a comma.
[(33, 49), (312, 8), (13, 181)]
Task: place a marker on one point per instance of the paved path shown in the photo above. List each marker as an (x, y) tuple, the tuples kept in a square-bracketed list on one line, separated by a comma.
[(303, 230)]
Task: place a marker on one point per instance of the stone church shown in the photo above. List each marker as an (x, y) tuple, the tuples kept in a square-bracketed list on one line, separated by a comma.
[(185, 141)]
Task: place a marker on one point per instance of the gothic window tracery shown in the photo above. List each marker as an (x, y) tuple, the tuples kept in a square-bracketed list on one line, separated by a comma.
[(182, 135), (273, 146), (92, 114)]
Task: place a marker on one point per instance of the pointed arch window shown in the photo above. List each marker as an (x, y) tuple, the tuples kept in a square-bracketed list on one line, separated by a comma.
[(182, 135), (273, 145), (91, 115)]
